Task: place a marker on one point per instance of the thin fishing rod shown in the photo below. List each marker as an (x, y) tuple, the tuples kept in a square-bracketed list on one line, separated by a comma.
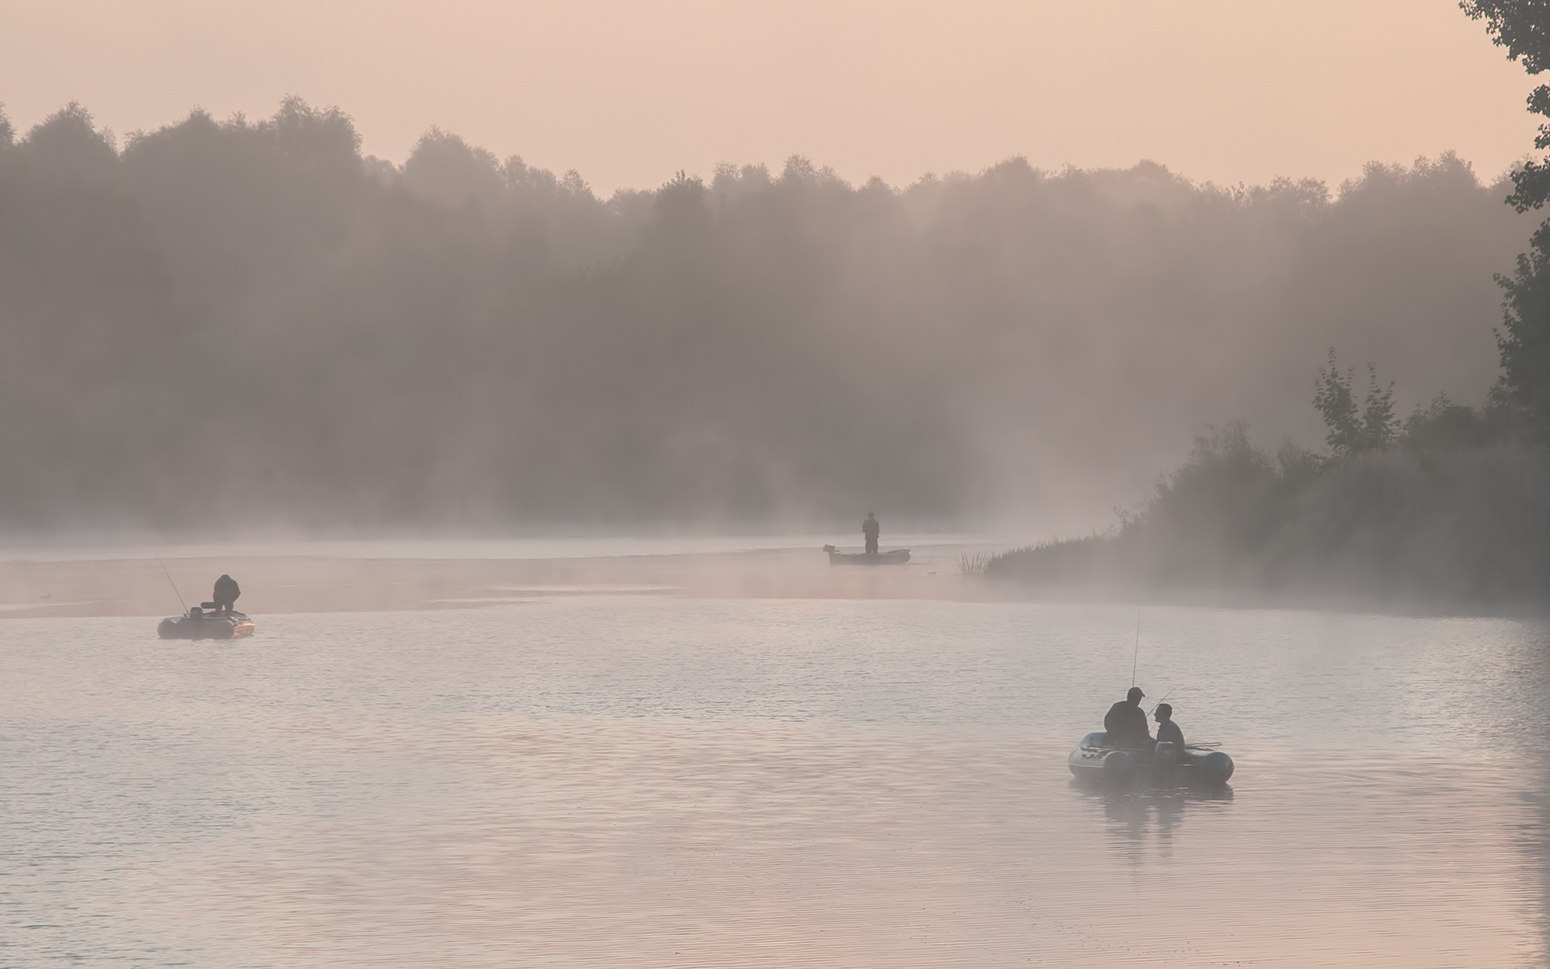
[(171, 583), (1162, 701), (1136, 658)]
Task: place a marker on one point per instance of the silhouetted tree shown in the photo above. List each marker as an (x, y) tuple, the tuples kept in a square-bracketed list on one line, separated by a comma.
[(1378, 424), (1349, 430), (1337, 405), (1523, 27), (1443, 425), (1524, 345)]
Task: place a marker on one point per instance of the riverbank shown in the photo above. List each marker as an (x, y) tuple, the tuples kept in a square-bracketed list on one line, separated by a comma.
[(1449, 531)]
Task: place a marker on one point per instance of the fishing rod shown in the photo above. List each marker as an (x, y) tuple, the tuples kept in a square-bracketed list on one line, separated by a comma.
[(1136, 657), (1162, 701), (172, 583)]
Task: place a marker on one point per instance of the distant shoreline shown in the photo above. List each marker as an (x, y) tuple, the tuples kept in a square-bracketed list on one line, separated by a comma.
[(279, 584)]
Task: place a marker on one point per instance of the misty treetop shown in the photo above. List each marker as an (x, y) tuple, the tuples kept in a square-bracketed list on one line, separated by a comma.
[(249, 321)]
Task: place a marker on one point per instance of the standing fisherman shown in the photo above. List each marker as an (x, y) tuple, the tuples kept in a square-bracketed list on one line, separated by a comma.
[(226, 593), (870, 528)]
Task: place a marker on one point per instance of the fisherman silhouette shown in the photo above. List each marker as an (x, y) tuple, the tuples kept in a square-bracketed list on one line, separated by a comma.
[(226, 593), (1167, 730), (870, 528), (1126, 722)]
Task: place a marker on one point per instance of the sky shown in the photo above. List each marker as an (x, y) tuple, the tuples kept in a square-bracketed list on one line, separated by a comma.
[(628, 93)]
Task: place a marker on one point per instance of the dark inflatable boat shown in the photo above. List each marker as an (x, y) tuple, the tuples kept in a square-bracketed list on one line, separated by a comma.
[(896, 557), (205, 622), (1094, 760)]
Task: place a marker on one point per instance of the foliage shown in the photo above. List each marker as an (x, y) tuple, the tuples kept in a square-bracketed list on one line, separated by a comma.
[(247, 321), (1447, 529), (1524, 345), (1523, 27), (1350, 431), (1445, 426), (1446, 511)]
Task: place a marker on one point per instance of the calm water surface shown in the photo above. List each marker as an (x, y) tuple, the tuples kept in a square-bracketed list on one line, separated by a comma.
[(664, 781)]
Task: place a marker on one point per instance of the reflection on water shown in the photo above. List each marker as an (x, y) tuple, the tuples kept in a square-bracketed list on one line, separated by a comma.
[(1140, 815), (640, 781)]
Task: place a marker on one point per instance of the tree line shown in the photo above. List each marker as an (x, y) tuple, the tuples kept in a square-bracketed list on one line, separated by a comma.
[(245, 322)]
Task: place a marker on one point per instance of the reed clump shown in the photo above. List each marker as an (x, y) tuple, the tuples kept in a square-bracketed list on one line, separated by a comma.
[(974, 563)]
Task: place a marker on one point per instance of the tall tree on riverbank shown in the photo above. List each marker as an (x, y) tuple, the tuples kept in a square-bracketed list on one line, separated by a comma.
[(1523, 27)]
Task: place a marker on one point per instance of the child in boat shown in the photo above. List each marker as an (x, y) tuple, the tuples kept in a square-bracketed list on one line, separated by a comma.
[(1167, 729)]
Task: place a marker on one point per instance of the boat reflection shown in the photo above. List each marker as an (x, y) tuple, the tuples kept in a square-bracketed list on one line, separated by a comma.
[(1137, 815)]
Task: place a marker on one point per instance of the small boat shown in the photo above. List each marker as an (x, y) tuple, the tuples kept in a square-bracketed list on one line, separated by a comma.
[(204, 621), (896, 557), (1094, 760)]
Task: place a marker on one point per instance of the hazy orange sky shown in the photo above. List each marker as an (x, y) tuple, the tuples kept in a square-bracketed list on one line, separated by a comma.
[(629, 92)]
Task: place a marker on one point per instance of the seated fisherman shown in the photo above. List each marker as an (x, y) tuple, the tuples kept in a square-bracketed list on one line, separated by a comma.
[(1167, 729), (1125, 723)]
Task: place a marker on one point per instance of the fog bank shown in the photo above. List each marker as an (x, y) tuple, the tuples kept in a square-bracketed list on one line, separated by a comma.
[(250, 322)]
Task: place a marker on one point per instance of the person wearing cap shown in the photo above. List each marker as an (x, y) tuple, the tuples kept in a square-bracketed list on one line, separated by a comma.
[(1125, 722), (1167, 729)]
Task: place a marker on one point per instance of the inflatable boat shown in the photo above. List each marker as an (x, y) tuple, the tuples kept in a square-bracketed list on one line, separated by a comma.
[(896, 557), (205, 622), (1094, 760)]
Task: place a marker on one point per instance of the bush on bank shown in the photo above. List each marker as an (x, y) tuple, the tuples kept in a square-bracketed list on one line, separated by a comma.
[(1465, 524)]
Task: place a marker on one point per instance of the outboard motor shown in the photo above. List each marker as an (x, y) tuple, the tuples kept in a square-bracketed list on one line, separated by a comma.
[(1215, 767), (1116, 767), (195, 612)]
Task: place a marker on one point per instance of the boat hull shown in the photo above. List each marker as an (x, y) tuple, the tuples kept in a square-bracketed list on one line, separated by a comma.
[(898, 556), (225, 625), (1094, 761)]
